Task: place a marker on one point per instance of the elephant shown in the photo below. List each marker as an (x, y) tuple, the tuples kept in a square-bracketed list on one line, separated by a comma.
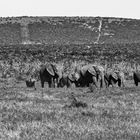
[(30, 82), (64, 81), (50, 73), (136, 76), (89, 74), (67, 80), (114, 77)]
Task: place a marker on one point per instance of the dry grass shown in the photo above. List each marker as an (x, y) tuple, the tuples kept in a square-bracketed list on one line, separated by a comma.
[(110, 113), (21, 69)]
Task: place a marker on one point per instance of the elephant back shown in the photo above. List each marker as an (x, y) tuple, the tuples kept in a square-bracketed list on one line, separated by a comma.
[(96, 70), (99, 69), (92, 69), (118, 75)]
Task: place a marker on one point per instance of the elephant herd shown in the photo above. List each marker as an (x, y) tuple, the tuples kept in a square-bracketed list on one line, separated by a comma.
[(81, 76)]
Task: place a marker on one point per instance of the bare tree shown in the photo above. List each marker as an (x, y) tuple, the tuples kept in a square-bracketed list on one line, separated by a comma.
[(95, 29), (99, 31)]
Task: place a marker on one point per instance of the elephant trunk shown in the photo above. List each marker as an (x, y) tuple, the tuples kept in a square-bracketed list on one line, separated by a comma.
[(102, 80)]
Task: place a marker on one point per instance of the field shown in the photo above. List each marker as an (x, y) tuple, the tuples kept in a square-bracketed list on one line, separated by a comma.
[(106, 114), (74, 113)]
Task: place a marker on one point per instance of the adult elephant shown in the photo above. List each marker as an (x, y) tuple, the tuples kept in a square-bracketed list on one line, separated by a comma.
[(50, 73), (114, 77), (136, 77), (89, 74)]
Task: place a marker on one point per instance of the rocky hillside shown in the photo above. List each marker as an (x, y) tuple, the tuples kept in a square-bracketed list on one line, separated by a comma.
[(68, 30)]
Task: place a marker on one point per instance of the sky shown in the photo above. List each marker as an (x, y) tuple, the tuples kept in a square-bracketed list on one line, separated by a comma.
[(102, 8)]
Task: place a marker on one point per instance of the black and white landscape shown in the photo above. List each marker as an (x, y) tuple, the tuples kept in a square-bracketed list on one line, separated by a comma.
[(69, 78)]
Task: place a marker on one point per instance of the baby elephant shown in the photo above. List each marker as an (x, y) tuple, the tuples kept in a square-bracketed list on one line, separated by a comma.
[(114, 77), (30, 82)]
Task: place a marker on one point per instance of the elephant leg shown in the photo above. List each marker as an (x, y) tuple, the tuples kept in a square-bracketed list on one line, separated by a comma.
[(102, 84), (50, 84), (68, 83), (106, 83), (95, 81), (56, 82), (122, 82), (106, 80), (119, 82), (62, 83), (53, 82), (112, 82), (34, 86), (59, 82), (42, 83), (77, 84), (88, 84), (136, 82)]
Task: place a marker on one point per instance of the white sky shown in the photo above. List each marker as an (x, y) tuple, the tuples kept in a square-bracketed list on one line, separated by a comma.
[(105, 8)]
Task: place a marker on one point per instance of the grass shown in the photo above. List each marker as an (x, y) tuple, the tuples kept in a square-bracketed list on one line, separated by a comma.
[(106, 114), (110, 113)]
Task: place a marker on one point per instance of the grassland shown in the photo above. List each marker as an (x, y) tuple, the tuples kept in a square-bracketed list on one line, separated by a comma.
[(110, 113), (107, 114)]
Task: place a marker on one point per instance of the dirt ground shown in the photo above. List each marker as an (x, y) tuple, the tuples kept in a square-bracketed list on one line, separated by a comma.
[(108, 114)]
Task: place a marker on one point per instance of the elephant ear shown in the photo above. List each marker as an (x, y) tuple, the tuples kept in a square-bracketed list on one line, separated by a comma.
[(97, 69), (55, 68), (92, 70), (84, 69), (49, 68), (115, 75), (71, 77), (58, 69)]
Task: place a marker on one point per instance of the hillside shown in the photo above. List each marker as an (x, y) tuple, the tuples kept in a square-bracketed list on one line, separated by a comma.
[(57, 38), (68, 30)]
